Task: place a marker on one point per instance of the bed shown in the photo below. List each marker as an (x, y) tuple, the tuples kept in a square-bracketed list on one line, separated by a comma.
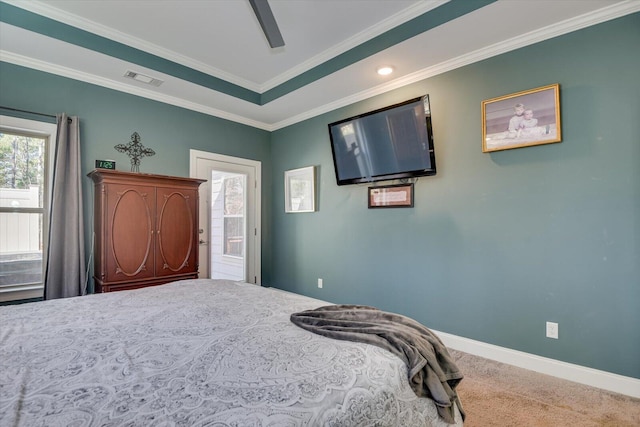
[(194, 353)]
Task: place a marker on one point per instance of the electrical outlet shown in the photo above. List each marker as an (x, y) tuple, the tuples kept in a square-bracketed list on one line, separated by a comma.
[(552, 330), (320, 283)]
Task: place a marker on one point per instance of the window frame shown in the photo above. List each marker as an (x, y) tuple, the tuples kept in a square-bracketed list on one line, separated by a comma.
[(46, 131)]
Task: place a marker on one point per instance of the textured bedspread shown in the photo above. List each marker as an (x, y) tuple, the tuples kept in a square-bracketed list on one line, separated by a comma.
[(193, 353), (432, 371)]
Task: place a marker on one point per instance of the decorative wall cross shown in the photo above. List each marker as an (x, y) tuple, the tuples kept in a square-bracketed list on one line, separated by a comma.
[(135, 150)]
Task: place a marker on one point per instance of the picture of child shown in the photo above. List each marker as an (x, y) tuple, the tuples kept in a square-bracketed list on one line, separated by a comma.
[(528, 121), (521, 119), (516, 120), (529, 126)]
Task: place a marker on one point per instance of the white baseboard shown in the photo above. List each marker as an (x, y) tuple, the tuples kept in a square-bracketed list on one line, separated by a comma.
[(568, 371)]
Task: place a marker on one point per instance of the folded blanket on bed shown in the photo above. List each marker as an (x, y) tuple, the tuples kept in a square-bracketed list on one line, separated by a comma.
[(432, 371)]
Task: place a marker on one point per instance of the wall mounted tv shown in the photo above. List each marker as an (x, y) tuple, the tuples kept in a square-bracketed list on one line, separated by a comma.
[(394, 142)]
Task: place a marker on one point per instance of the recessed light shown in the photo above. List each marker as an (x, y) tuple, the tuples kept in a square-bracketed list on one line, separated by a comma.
[(385, 71)]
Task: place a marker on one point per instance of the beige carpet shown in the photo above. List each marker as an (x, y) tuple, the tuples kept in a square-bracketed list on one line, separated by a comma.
[(496, 394)]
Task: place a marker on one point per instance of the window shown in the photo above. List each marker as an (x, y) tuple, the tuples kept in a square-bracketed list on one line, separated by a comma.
[(24, 184), (234, 216)]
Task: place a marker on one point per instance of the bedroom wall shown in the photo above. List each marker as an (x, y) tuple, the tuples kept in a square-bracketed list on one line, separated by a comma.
[(109, 117), (497, 244)]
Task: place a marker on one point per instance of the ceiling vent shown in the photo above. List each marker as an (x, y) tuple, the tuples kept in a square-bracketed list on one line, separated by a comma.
[(142, 78)]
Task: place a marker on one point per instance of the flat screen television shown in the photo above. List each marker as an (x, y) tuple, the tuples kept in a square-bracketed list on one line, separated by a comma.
[(394, 142)]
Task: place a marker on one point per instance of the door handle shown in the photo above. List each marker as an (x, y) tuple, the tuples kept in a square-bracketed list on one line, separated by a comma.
[(202, 242)]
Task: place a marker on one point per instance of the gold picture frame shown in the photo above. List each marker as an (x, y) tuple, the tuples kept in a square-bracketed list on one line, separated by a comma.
[(300, 190), (522, 119)]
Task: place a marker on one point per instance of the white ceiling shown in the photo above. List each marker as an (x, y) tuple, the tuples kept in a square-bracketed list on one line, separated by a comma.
[(222, 38)]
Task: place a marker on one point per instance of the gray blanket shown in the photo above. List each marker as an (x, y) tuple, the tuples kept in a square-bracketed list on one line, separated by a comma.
[(432, 371)]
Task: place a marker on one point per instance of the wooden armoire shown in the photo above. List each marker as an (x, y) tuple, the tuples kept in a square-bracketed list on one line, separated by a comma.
[(146, 229)]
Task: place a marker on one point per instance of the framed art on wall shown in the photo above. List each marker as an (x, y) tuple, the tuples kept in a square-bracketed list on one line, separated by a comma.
[(522, 119), (391, 196), (300, 190)]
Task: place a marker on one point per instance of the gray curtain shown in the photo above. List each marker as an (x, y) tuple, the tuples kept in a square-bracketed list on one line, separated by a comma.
[(65, 273)]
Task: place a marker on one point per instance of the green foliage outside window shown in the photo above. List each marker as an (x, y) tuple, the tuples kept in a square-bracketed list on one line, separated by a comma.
[(21, 161)]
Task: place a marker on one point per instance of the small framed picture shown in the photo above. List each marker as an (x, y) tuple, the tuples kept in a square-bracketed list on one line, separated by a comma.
[(391, 196), (522, 119), (300, 190)]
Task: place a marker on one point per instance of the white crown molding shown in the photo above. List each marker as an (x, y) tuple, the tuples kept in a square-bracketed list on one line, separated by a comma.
[(354, 41), (592, 18), (48, 11), (129, 89), (586, 20), (580, 374), (51, 12)]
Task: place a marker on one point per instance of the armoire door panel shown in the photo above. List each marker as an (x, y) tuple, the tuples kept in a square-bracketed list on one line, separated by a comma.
[(176, 230), (130, 232)]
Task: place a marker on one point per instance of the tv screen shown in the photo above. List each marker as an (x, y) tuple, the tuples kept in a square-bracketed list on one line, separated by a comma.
[(390, 143)]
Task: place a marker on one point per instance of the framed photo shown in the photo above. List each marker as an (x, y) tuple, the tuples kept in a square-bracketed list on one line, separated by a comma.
[(300, 190), (523, 119), (391, 196)]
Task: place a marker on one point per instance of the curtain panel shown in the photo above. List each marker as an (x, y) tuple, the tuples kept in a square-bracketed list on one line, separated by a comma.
[(65, 273)]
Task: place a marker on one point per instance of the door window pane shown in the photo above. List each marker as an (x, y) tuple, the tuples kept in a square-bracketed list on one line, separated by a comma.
[(233, 236), (234, 216), (234, 196)]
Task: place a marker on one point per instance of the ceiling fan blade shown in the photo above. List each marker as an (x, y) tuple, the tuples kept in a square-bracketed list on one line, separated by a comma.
[(268, 23)]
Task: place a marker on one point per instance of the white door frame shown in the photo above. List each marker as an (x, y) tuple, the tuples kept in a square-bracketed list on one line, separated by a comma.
[(254, 237)]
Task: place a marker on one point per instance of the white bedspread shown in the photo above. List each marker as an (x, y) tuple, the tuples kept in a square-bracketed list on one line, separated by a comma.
[(193, 353)]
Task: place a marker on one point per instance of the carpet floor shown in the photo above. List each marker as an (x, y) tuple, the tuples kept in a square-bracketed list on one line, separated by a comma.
[(501, 395)]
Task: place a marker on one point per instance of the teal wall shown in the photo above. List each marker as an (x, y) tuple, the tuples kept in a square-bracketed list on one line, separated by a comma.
[(109, 117), (497, 244)]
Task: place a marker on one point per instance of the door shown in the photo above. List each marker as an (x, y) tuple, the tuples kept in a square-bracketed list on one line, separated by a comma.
[(176, 230), (230, 205), (129, 232)]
